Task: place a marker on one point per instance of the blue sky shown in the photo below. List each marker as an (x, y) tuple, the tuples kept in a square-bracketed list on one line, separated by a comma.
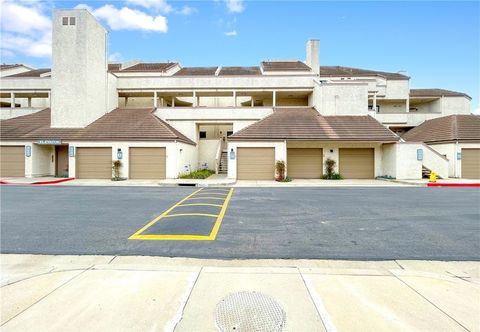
[(437, 43)]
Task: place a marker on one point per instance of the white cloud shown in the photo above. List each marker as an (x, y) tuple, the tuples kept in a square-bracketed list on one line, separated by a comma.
[(160, 5), (231, 33), (25, 29), (115, 57), (84, 6), (186, 10), (130, 19), (235, 6)]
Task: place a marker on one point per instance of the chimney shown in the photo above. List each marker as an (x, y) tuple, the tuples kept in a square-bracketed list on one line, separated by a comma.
[(313, 55)]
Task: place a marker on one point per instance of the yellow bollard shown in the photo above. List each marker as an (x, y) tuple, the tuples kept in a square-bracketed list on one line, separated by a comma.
[(433, 176)]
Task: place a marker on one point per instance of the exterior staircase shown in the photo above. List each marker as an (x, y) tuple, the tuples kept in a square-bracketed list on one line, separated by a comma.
[(426, 173), (223, 167)]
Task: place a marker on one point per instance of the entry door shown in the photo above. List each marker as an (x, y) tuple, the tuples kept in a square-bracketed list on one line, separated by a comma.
[(61, 160)]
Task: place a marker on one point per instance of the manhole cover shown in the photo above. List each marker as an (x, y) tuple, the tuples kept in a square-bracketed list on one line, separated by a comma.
[(249, 311)]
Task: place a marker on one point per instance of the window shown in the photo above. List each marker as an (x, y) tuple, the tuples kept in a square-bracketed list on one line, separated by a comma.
[(229, 133), (64, 20), (72, 20), (203, 134), (370, 108)]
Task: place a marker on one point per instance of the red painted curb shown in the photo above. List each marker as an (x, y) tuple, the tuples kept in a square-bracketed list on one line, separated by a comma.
[(453, 184), (39, 182)]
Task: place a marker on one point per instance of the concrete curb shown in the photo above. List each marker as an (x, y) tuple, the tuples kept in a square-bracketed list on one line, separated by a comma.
[(38, 182)]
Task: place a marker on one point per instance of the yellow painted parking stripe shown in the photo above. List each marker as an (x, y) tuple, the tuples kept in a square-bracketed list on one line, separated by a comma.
[(201, 204), (220, 199), (218, 222), (162, 215), (171, 237), (206, 192), (190, 215)]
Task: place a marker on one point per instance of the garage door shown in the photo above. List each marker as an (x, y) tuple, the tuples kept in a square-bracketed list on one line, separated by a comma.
[(147, 163), (304, 163), (94, 163), (255, 163), (471, 163), (357, 163), (12, 161)]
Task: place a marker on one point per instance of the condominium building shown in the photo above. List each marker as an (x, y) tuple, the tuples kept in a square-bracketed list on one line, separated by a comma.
[(163, 119)]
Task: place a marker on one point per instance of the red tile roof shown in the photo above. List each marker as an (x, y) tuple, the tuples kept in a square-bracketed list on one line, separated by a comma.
[(5, 66), (119, 124), (446, 129), (284, 66), (194, 71), (239, 71), (32, 73), (335, 71), (144, 67), (308, 124), (436, 93)]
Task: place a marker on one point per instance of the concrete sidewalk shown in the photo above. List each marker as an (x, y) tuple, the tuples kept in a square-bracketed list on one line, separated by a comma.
[(110, 293), (218, 181)]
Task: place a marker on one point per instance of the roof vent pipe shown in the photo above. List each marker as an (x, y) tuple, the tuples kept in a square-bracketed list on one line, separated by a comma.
[(313, 55)]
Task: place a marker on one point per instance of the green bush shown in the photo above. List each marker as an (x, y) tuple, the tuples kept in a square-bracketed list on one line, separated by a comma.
[(280, 170), (330, 170), (198, 174), (332, 176)]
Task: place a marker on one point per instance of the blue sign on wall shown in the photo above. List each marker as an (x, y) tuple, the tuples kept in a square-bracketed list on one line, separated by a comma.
[(459, 156), (71, 151), (419, 154), (28, 150)]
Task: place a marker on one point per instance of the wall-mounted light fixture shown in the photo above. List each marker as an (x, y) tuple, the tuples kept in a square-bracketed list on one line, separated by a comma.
[(119, 154)]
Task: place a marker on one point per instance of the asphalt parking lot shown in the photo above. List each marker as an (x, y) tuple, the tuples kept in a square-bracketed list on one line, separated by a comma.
[(332, 223)]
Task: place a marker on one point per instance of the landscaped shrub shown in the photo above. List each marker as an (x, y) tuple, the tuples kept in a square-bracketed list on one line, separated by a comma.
[(280, 170), (198, 174), (330, 170), (116, 166)]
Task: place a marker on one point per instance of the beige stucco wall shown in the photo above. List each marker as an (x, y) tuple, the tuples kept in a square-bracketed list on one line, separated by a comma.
[(79, 70), (342, 99), (187, 158), (43, 160), (397, 89), (455, 105), (207, 150), (450, 151), (407, 165)]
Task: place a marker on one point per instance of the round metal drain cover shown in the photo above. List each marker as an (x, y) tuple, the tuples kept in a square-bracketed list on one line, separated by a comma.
[(249, 311)]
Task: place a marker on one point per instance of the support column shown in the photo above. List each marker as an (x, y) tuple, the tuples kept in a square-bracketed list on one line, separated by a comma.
[(173, 101), (274, 98), (252, 102), (29, 101), (12, 99), (126, 101), (195, 99), (407, 105), (234, 98), (155, 99), (375, 102)]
